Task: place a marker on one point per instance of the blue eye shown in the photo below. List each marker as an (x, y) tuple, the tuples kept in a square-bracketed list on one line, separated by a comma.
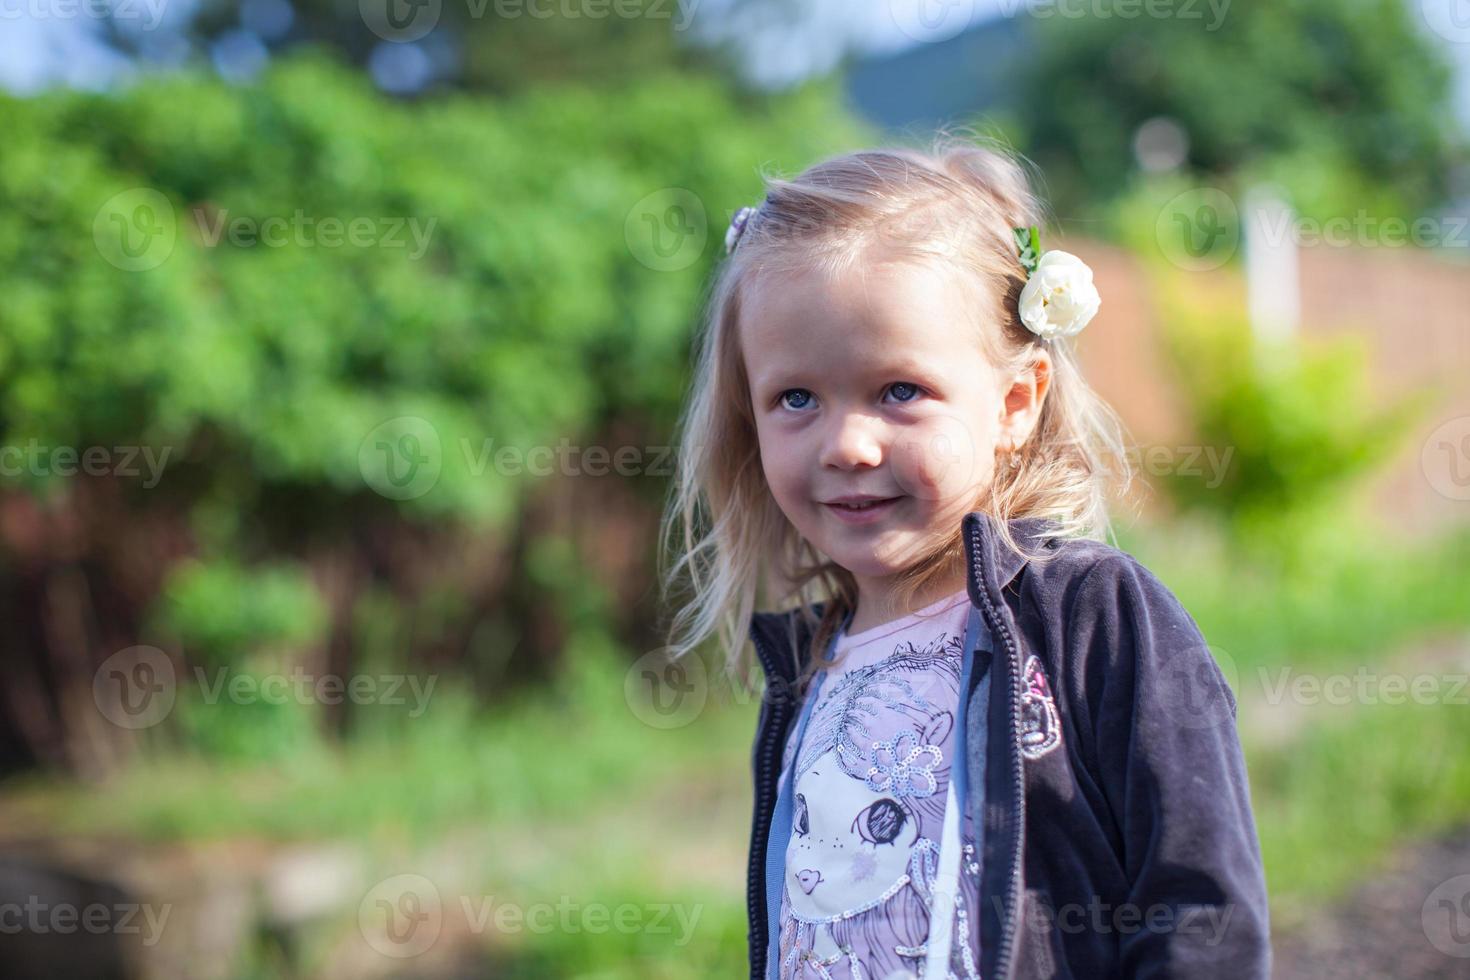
[(904, 392), (802, 393)]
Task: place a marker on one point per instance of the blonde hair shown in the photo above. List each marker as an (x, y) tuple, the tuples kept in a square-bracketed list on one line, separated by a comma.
[(956, 203)]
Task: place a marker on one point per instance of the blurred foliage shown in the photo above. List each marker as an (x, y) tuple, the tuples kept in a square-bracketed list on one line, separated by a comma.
[(1366, 595), (554, 299), (1299, 418), (460, 781), (1402, 765), (223, 610), (497, 47), (542, 318), (527, 275), (1344, 103), (1147, 214)]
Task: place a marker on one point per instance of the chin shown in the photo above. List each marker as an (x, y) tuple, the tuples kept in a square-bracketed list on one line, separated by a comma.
[(864, 563)]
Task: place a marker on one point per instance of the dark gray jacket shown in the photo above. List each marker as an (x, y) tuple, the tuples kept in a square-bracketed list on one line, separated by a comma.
[(1118, 839)]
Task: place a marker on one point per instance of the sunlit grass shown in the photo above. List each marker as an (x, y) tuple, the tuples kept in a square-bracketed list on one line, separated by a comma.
[(566, 792), (1375, 595), (1331, 804), (543, 756)]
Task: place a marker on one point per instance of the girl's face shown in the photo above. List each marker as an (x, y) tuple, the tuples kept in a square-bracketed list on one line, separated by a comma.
[(874, 384)]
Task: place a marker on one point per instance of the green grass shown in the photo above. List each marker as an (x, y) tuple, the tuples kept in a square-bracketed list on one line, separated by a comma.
[(716, 947), (1331, 804), (566, 793), (543, 756), (1376, 595)]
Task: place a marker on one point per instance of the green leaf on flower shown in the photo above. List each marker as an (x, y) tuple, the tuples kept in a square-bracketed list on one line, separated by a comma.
[(1028, 247)]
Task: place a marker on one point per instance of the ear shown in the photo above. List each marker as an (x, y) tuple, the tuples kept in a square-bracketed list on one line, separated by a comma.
[(1021, 402)]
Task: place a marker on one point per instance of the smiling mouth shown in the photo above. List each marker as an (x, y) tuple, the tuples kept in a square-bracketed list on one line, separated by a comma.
[(863, 513), (862, 506)]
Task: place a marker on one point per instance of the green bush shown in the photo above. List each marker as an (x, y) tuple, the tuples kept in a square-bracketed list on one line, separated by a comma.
[(1299, 419), (221, 608), (522, 311), (181, 273)]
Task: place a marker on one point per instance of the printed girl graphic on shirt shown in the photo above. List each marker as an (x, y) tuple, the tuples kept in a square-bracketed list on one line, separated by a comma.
[(871, 780)]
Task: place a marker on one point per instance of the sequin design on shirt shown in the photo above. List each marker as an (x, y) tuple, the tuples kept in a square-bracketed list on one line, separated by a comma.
[(871, 779), (1041, 728)]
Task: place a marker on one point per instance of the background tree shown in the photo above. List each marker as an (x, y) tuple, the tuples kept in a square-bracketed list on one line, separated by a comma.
[(531, 277), (1298, 90)]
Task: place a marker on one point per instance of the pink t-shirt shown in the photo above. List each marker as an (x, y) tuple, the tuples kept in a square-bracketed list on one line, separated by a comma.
[(872, 776)]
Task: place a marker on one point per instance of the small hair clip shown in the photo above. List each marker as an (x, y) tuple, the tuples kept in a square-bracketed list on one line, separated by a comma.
[(737, 228), (1059, 298)]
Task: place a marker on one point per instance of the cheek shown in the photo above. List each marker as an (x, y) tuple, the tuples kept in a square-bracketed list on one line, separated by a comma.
[(942, 459), (781, 464)]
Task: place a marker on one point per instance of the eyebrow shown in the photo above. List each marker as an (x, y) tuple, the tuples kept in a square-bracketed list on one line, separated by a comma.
[(904, 369)]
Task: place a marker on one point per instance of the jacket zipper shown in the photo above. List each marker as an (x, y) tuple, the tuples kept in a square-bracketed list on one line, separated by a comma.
[(776, 720), (760, 831), (1018, 772)]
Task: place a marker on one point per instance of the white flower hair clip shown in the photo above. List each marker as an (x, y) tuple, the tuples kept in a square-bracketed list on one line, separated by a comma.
[(1059, 298)]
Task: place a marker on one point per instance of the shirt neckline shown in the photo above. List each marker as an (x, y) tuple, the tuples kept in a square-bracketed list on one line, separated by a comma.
[(846, 641)]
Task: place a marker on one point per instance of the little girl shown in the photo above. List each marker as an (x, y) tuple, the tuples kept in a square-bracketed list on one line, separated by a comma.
[(990, 744)]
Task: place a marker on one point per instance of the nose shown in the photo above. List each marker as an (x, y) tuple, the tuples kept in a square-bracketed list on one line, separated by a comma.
[(856, 440)]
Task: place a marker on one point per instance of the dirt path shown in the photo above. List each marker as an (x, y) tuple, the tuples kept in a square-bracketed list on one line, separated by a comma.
[(1412, 922)]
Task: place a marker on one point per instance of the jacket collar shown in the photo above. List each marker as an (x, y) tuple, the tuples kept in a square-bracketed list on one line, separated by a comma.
[(991, 566)]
